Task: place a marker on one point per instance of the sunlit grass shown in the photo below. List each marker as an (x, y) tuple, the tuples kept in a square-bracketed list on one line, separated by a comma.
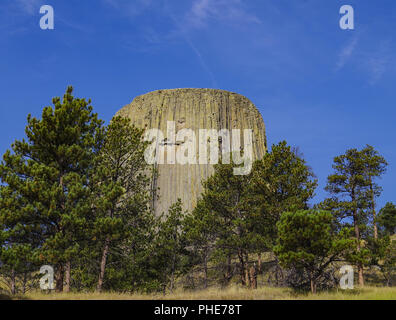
[(231, 293)]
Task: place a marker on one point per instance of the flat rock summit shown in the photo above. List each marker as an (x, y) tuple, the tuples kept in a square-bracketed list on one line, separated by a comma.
[(192, 109)]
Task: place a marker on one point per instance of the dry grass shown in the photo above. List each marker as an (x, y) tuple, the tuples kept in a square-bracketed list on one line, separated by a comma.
[(232, 293)]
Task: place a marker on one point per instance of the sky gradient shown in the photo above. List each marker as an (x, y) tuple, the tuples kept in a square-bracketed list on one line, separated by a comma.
[(318, 87)]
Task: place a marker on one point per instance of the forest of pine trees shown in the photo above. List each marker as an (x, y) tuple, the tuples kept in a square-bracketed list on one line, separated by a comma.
[(75, 194)]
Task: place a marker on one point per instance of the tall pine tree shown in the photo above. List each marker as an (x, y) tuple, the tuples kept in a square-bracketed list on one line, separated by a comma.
[(120, 186), (349, 186), (282, 181), (46, 177), (375, 166)]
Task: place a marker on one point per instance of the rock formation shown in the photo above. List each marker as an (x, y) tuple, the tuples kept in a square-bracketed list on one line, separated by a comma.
[(194, 109)]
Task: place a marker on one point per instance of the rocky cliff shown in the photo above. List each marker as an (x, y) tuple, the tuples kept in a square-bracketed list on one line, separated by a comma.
[(193, 109)]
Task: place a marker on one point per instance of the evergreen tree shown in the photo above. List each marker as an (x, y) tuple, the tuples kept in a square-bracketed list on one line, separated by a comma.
[(16, 261), (350, 186), (228, 216), (383, 256), (387, 219), (170, 244), (200, 230), (237, 214), (375, 166), (16, 244), (383, 248), (45, 180), (281, 181), (120, 186), (308, 241)]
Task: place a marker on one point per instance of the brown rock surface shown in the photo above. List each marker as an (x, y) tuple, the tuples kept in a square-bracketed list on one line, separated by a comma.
[(194, 109)]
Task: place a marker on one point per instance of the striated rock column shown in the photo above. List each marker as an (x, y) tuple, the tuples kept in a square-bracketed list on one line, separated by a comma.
[(193, 109)]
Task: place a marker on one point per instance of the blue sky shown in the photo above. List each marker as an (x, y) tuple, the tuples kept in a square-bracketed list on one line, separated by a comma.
[(321, 88)]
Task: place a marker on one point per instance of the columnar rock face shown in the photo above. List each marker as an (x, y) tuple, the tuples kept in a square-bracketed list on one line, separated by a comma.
[(192, 109)]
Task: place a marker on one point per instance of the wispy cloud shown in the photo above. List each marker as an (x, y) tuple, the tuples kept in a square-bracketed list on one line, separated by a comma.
[(129, 7), (374, 60), (29, 6), (201, 60), (378, 62), (377, 67), (13, 16), (346, 53), (198, 15), (204, 11)]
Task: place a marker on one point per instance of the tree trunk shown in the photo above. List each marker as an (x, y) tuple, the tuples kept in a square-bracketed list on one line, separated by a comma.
[(259, 263), (357, 235), (206, 270), (253, 277), (242, 271), (373, 210), (247, 278), (173, 273), (59, 278), (247, 275), (360, 273), (67, 276), (312, 281), (228, 274), (13, 282), (313, 286), (103, 264), (59, 274)]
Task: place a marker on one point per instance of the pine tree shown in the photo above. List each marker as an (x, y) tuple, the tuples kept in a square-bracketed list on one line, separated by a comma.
[(45, 179), (375, 166), (120, 186), (170, 245), (351, 180), (387, 219), (225, 202), (308, 241), (200, 228), (281, 181), (383, 248), (16, 243), (237, 215)]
